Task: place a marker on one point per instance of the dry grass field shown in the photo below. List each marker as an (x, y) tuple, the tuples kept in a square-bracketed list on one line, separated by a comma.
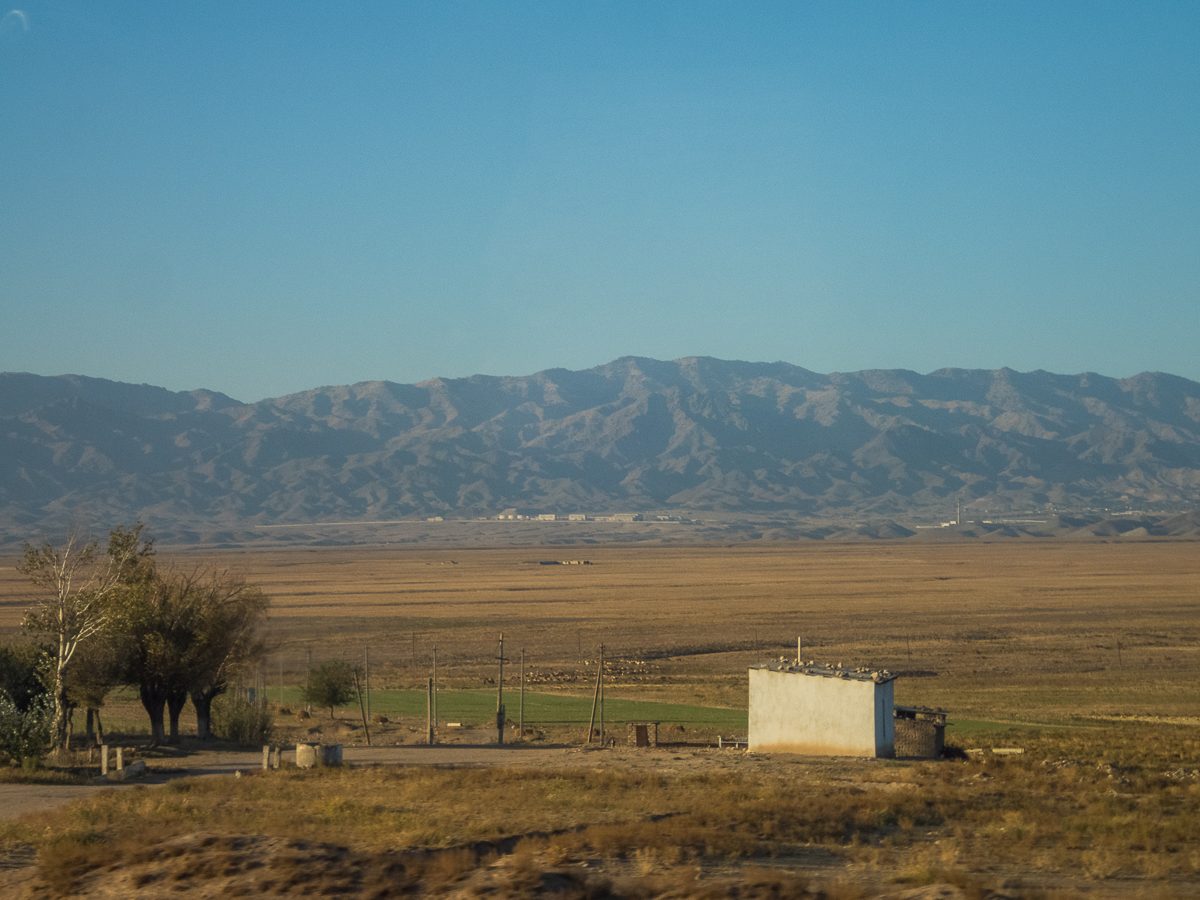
[(1044, 632), (1098, 642)]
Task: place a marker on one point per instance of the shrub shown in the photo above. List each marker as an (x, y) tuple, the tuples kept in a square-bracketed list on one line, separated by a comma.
[(19, 678), (25, 734), (241, 721)]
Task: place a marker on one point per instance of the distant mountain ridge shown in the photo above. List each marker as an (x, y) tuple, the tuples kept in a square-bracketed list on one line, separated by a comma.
[(694, 435)]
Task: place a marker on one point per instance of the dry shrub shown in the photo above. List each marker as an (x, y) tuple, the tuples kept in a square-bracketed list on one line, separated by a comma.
[(1112, 816), (449, 866)]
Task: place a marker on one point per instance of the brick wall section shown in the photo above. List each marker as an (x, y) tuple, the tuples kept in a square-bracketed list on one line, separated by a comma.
[(919, 737)]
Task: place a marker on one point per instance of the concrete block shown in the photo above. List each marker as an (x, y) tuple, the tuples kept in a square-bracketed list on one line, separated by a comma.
[(309, 756)]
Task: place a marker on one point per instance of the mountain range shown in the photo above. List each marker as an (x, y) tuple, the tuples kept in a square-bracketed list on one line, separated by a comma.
[(697, 437)]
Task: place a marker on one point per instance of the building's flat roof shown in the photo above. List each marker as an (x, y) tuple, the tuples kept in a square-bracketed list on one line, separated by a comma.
[(921, 712), (826, 670)]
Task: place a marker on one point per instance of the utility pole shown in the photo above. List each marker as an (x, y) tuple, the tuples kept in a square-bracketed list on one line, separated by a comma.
[(307, 675), (601, 695), (361, 708), (429, 713), (435, 686), (500, 696), (367, 677), (522, 716), (596, 696)]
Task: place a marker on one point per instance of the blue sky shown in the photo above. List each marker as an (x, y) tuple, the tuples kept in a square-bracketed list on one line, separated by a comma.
[(261, 198)]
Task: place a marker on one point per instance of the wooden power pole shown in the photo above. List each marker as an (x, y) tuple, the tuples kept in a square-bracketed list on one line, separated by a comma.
[(500, 696), (597, 699)]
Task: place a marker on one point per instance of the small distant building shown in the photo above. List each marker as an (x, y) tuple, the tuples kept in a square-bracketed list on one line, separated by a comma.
[(547, 517), (577, 517), (821, 709)]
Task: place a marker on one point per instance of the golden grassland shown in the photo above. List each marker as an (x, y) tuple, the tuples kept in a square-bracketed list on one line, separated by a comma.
[(1098, 643), (1105, 812), (1030, 631)]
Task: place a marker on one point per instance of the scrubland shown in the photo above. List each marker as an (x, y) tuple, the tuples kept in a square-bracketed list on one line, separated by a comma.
[(1086, 656)]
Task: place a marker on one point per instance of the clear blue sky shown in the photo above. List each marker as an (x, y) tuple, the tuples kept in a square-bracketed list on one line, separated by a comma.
[(265, 197)]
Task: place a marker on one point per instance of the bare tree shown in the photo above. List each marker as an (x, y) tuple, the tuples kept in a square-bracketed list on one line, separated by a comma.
[(79, 584)]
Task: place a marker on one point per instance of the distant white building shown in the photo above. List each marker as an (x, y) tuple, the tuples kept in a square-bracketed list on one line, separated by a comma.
[(821, 710)]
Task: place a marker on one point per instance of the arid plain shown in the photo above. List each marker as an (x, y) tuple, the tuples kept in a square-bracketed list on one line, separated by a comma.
[(1027, 631), (1084, 654)]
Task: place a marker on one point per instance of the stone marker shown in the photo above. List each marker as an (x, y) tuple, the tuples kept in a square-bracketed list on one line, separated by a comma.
[(104, 759)]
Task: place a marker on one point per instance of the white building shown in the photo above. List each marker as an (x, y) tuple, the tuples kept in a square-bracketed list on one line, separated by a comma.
[(821, 710)]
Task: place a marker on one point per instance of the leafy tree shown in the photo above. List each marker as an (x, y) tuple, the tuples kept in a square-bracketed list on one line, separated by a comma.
[(79, 586), (232, 613), (227, 615), (330, 684), (98, 668), (155, 623), (189, 633)]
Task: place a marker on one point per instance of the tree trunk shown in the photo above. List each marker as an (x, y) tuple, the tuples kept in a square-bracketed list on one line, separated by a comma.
[(99, 729), (90, 736), (175, 704), (203, 701), (154, 701), (62, 710)]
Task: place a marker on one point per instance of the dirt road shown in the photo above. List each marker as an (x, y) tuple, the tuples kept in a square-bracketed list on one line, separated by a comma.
[(19, 799)]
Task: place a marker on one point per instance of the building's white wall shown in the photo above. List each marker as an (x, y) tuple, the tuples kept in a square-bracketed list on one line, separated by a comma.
[(791, 712)]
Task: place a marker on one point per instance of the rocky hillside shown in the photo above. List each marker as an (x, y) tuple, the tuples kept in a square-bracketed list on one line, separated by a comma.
[(699, 436)]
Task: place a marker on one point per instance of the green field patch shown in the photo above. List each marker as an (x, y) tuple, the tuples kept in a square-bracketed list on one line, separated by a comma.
[(961, 728), (478, 707)]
